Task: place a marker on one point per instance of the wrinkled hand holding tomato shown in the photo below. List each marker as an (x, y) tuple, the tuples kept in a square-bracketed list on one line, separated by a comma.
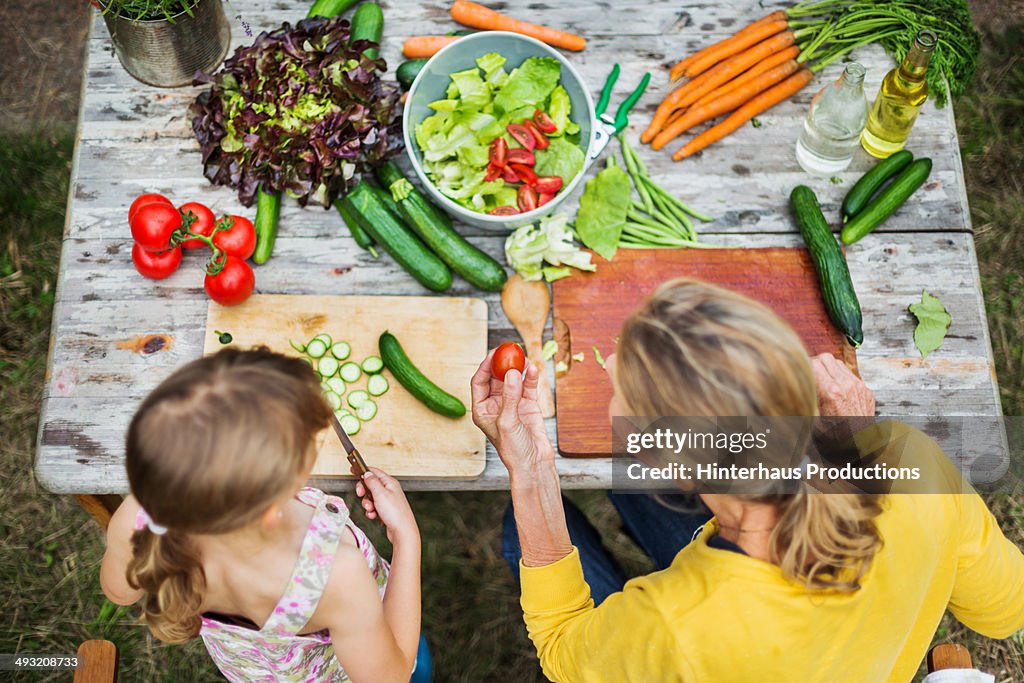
[(508, 356)]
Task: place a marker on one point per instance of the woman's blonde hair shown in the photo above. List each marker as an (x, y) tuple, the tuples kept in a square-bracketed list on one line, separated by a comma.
[(694, 349), (207, 452)]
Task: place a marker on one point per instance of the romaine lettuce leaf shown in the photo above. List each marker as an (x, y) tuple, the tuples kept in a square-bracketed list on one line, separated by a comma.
[(603, 207), (561, 158), (529, 84)]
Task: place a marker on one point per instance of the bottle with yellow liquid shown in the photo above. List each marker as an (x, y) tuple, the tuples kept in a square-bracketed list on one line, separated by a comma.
[(903, 93)]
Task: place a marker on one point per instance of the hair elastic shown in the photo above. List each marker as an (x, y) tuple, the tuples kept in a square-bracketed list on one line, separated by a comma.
[(142, 519)]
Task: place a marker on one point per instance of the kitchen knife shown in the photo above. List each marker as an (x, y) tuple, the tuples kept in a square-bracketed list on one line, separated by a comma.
[(356, 463)]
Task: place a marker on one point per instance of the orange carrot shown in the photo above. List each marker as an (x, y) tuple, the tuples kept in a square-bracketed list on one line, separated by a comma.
[(677, 70), (741, 43), (478, 16), (672, 102), (761, 67), (766, 100), (426, 46), (699, 114)]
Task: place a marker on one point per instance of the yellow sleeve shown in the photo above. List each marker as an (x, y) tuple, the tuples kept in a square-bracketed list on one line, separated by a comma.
[(988, 595), (624, 639)]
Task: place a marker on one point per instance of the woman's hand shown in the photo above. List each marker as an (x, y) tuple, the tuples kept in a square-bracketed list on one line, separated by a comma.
[(389, 504), (509, 414), (840, 392)]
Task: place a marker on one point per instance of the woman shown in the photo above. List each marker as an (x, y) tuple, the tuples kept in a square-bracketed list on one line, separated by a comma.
[(839, 587)]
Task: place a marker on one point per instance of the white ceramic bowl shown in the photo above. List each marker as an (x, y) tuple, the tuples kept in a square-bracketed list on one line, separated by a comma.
[(432, 82)]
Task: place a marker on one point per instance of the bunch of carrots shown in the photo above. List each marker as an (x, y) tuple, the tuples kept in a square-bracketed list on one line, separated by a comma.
[(477, 16), (775, 57)]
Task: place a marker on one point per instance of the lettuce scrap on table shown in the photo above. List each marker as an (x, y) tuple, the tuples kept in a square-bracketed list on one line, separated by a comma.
[(602, 213), (932, 323), (550, 241), (479, 104)]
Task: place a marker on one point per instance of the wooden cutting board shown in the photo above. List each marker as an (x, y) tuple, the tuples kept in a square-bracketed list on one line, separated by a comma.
[(594, 306), (446, 337)]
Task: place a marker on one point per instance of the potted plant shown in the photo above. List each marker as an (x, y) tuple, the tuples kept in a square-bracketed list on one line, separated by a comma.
[(164, 42)]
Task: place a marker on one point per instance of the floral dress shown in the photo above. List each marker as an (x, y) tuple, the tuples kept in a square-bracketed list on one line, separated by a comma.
[(276, 652)]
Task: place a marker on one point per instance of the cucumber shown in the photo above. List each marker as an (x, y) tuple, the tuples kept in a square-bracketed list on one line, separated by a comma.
[(373, 215), (327, 366), (357, 398), (887, 201), (434, 227), (325, 338), (341, 350), (366, 410), (329, 8), (333, 400), (408, 70), (372, 365), (337, 385), (861, 192), (350, 372), (350, 423), (368, 24), (833, 273), (298, 346), (377, 385), (307, 361), (410, 377), (358, 234), (316, 348), (341, 412), (268, 208)]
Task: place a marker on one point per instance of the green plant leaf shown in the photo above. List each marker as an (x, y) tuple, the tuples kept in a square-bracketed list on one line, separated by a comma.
[(602, 212), (932, 323)]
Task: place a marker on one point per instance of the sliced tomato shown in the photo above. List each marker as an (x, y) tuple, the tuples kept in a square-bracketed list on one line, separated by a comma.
[(238, 239), (233, 284), (498, 152), (509, 175), (503, 211), (525, 173), (508, 356), (493, 172), (521, 156), (526, 198), (540, 141), (202, 225), (145, 199), (155, 265), (544, 122), (153, 225), (522, 135), (544, 197), (548, 184)]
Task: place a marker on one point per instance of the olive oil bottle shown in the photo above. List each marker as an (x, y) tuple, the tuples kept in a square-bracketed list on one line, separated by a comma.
[(903, 93)]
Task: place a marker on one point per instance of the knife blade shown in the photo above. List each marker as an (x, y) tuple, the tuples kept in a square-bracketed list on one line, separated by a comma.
[(356, 463)]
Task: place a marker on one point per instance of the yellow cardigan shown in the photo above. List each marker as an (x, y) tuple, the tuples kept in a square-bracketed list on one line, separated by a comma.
[(719, 616)]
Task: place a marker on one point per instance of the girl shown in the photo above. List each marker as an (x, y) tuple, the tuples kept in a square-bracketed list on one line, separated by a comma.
[(221, 539)]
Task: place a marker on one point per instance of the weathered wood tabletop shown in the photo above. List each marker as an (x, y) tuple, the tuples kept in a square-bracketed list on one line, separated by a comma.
[(134, 138)]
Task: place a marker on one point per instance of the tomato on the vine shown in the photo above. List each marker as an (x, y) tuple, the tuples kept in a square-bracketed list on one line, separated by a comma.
[(507, 357), (144, 200), (153, 224), (239, 239), (233, 284), (202, 225), (155, 265)]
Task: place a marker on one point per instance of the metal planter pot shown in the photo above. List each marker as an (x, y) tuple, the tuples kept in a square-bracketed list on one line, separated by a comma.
[(167, 54)]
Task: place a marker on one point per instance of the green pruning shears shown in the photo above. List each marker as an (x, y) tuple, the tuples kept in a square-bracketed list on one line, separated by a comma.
[(605, 127)]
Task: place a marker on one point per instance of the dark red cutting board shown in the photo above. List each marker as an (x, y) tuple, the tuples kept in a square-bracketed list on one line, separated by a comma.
[(594, 306)]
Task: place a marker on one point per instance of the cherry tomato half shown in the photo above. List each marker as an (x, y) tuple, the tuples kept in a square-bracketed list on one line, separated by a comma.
[(509, 175), (526, 197), (544, 197), (239, 239), (144, 199), (493, 172), (521, 156), (155, 265), (540, 141), (522, 135), (233, 284), (507, 357), (498, 151), (504, 211), (202, 225), (549, 184), (153, 224), (544, 122), (525, 173)]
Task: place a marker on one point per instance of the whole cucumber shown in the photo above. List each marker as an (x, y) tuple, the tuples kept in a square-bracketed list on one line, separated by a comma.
[(887, 201), (368, 24), (408, 70), (268, 208), (861, 192), (358, 234), (409, 376), (329, 8)]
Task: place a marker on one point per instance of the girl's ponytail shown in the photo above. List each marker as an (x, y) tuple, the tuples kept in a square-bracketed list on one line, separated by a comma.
[(168, 569)]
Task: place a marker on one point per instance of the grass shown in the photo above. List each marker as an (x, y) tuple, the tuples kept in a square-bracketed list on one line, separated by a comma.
[(50, 550)]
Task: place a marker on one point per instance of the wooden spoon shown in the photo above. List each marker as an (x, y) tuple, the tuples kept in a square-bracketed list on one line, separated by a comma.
[(527, 305)]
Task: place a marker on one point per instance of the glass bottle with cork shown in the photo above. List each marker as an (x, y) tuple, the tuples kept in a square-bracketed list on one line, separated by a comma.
[(903, 93), (833, 124)]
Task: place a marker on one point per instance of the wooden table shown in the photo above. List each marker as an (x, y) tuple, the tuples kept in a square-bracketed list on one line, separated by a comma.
[(134, 138)]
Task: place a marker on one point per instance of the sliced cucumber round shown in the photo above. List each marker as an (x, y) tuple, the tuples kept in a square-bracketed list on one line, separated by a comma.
[(316, 348), (337, 385), (298, 346), (341, 350), (358, 398), (325, 387), (307, 361), (351, 425), (377, 385), (324, 337), (366, 410), (341, 412), (327, 366), (333, 400), (372, 365), (350, 372)]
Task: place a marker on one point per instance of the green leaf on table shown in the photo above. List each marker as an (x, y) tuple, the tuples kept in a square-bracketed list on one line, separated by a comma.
[(932, 323), (602, 212)]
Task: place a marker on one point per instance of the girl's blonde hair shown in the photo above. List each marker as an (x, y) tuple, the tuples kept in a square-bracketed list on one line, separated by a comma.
[(694, 349), (207, 452)]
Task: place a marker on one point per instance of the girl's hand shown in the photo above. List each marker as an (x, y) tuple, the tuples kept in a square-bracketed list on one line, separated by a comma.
[(509, 414), (389, 505)]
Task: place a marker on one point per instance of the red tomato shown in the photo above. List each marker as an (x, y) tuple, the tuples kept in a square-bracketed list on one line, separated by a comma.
[(499, 148), (509, 175), (155, 265), (239, 239), (504, 211), (525, 173), (549, 184), (522, 135), (203, 224), (540, 141), (144, 199), (153, 224), (233, 284), (493, 172), (526, 197), (521, 156), (543, 198), (544, 122), (508, 356)]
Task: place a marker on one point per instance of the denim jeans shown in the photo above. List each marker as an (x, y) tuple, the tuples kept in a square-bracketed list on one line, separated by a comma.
[(660, 531)]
